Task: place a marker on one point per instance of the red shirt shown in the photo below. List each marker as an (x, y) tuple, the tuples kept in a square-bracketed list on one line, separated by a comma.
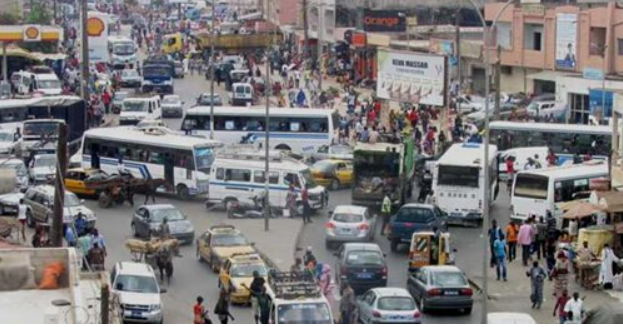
[(304, 195), (106, 98), (198, 311), (510, 167), (560, 304)]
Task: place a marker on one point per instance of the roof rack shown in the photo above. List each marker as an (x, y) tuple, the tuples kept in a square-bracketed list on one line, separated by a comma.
[(289, 285), (222, 227), (249, 152)]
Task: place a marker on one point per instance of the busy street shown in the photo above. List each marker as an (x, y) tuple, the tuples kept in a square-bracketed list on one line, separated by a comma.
[(310, 162)]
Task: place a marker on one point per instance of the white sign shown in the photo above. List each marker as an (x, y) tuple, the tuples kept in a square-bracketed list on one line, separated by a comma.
[(409, 77), (97, 30), (566, 40)]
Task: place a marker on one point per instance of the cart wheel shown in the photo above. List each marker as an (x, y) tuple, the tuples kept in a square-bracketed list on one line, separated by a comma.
[(105, 200)]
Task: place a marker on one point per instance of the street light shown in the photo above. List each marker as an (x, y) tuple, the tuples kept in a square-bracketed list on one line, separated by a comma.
[(487, 186)]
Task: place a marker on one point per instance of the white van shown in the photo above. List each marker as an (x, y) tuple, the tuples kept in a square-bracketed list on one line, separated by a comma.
[(133, 110), (540, 190), (136, 286), (45, 84), (237, 175), (521, 158), (241, 94)]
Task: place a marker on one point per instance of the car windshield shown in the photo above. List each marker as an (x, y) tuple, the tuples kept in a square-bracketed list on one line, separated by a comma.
[(6, 137), (123, 49), (307, 178), (229, 240), (45, 162), (207, 99), (71, 200), (204, 158), (172, 214), (448, 279), (324, 166), (19, 167), (341, 150), (41, 128), (134, 106), (368, 258), (396, 303), (247, 269), (49, 84), (136, 284), (171, 100), (347, 218), (304, 313)]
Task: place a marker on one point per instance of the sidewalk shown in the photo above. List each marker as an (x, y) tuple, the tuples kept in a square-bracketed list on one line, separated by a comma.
[(514, 295)]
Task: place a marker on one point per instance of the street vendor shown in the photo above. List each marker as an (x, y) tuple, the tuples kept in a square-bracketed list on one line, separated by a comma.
[(585, 256)]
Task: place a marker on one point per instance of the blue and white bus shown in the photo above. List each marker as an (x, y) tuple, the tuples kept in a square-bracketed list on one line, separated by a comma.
[(182, 161), (298, 130)]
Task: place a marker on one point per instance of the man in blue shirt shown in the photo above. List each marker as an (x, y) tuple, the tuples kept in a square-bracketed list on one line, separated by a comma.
[(499, 249)]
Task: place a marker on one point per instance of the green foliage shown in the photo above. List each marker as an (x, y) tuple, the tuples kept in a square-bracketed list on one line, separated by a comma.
[(9, 18), (39, 14)]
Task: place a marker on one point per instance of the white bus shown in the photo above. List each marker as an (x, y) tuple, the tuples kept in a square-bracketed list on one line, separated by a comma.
[(298, 130), (565, 140), (458, 181), (540, 190), (182, 161)]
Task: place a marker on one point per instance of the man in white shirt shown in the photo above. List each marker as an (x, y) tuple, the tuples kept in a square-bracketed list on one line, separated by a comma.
[(21, 217), (575, 305)]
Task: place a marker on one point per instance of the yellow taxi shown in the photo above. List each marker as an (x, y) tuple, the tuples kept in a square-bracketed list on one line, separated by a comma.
[(76, 178), (237, 274), (333, 173), (219, 243)]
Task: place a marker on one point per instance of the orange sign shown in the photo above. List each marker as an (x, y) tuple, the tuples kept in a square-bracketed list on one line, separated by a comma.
[(32, 33), (95, 26)]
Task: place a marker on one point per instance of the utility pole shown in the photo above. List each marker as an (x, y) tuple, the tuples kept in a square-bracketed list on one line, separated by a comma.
[(212, 77), (498, 71), (59, 187), (321, 28), (85, 50), (5, 66), (105, 304), (267, 135), (457, 50), (306, 54)]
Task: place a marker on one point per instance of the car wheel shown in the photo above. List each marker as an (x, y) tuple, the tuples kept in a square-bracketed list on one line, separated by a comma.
[(214, 265), (423, 307), (335, 184), (30, 219), (467, 311), (393, 245), (183, 192)]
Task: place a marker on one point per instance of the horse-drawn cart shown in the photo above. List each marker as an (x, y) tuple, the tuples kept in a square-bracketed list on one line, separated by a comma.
[(155, 252), (119, 188)]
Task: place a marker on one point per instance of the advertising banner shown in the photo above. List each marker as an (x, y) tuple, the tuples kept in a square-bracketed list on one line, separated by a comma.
[(410, 77), (566, 40), (97, 30), (384, 21)]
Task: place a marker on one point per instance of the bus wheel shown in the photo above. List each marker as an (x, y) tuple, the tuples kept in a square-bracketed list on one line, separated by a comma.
[(335, 184), (183, 192), (283, 147)]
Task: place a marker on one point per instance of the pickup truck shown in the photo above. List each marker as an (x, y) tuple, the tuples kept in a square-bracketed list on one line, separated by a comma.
[(411, 218)]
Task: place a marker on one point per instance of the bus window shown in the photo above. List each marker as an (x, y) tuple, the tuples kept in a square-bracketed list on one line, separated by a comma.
[(531, 186), (220, 174), (238, 175), (293, 179)]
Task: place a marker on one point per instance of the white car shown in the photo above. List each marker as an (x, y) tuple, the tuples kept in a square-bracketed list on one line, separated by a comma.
[(172, 106), (10, 202), (42, 168), (7, 142), (468, 104), (137, 289), (350, 223), (130, 78), (21, 173), (388, 305)]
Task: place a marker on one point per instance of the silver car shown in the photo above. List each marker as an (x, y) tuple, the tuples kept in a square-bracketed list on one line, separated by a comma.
[(147, 219), (350, 223), (172, 106), (388, 305), (441, 287)]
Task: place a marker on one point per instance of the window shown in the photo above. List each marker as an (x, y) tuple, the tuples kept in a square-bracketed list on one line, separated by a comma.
[(620, 47), (504, 35), (533, 37), (220, 174), (238, 175), (458, 176), (531, 186), (597, 42), (258, 177), (292, 179)]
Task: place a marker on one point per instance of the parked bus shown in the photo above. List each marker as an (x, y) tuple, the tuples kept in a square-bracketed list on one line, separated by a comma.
[(182, 161), (298, 130), (458, 182), (564, 140), (540, 190)]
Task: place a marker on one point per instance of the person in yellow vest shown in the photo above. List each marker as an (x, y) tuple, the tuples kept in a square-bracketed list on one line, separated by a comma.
[(386, 212)]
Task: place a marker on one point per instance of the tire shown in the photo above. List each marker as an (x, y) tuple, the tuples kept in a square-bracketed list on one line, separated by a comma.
[(335, 185), (182, 192), (283, 147), (393, 245), (30, 220), (467, 311), (199, 257), (228, 201), (104, 200), (423, 307), (328, 244)]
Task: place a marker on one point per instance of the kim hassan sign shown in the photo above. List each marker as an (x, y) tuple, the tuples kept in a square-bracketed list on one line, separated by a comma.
[(410, 77)]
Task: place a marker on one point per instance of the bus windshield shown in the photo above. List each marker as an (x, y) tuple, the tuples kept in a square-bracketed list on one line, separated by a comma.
[(41, 128), (124, 49), (531, 186), (458, 176), (204, 158), (134, 106)]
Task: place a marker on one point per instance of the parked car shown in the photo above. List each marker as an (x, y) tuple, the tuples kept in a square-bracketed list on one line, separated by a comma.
[(42, 168), (135, 286), (362, 265), (332, 173), (9, 203), (506, 111), (130, 78), (412, 218), (350, 223), (467, 104), (219, 243), (441, 287), (117, 101), (172, 106), (39, 201), (388, 305), (205, 99), (147, 219), (7, 142)]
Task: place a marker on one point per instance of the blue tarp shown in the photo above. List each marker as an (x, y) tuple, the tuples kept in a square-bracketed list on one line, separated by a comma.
[(596, 98)]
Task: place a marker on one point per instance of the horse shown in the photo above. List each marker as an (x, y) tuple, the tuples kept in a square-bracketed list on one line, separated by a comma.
[(164, 261)]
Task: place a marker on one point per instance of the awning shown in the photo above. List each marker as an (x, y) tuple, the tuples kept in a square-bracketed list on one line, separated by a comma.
[(612, 201), (546, 75)]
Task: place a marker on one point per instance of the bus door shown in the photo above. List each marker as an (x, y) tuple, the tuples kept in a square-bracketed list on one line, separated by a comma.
[(168, 171)]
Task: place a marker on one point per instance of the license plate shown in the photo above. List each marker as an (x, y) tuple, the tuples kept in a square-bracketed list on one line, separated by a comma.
[(451, 292), (136, 314), (345, 231), (397, 317), (364, 275)]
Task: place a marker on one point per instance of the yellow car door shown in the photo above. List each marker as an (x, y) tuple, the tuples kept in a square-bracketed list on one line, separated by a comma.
[(344, 173)]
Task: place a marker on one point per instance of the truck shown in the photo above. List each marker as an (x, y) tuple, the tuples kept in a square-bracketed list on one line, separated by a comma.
[(227, 43), (74, 300), (381, 168), (158, 72)]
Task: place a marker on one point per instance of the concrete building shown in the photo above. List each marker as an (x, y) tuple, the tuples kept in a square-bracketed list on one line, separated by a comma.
[(282, 12)]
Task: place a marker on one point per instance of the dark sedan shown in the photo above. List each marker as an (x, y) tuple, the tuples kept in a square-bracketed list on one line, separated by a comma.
[(362, 265), (441, 287)]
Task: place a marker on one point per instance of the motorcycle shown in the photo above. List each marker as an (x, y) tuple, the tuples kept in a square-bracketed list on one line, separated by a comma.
[(253, 209)]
